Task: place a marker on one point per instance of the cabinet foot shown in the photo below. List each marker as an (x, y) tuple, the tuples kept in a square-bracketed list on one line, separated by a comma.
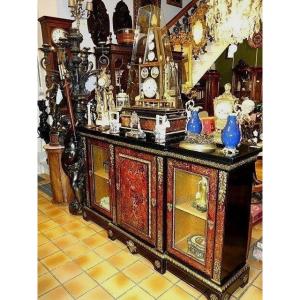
[(245, 280), (85, 216), (131, 247), (160, 266), (111, 235), (75, 207)]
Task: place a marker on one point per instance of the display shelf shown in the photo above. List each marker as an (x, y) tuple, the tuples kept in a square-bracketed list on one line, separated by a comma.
[(101, 173), (187, 207)]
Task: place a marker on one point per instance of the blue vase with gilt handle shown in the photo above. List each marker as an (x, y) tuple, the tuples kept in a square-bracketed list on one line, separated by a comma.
[(194, 124), (231, 134)]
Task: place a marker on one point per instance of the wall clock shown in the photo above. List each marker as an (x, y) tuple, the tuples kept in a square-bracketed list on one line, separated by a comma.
[(52, 29)]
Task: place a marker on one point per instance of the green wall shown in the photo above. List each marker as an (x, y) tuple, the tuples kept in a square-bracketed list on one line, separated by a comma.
[(224, 65)]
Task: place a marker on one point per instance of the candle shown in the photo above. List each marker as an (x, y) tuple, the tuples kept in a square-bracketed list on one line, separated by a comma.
[(71, 3), (89, 6)]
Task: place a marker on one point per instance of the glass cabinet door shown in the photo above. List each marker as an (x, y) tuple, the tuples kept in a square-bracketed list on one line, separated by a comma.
[(191, 213), (99, 177)]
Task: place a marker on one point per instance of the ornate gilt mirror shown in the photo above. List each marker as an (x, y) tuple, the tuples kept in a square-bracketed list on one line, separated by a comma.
[(198, 28)]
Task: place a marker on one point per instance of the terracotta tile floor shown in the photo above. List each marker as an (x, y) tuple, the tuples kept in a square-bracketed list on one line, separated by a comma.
[(76, 260)]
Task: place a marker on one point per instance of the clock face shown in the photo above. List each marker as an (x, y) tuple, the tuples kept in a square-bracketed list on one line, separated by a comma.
[(144, 73), (154, 72), (58, 33), (151, 46), (149, 87), (150, 37), (223, 109), (151, 56)]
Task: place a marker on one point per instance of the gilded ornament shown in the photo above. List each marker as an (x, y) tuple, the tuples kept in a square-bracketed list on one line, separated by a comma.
[(157, 264), (159, 240), (112, 154), (110, 233), (131, 246), (222, 187), (217, 271), (160, 169), (213, 297)]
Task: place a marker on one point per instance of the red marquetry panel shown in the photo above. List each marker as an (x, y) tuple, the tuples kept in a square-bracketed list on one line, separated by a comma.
[(136, 193)]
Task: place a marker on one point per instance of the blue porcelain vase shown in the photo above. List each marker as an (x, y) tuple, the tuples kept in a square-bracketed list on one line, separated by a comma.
[(194, 124), (231, 134)]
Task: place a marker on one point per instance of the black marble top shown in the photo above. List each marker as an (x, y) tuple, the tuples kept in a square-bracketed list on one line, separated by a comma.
[(173, 146)]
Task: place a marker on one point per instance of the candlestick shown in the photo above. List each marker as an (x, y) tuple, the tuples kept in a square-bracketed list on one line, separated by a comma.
[(71, 3), (89, 6)]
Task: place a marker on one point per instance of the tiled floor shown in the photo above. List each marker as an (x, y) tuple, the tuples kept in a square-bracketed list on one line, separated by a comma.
[(76, 260)]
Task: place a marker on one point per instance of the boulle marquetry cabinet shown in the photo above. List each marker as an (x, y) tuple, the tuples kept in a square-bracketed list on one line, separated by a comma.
[(146, 195)]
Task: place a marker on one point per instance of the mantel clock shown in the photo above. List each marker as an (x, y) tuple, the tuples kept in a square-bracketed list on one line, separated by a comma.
[(152, 59), (223, 106)]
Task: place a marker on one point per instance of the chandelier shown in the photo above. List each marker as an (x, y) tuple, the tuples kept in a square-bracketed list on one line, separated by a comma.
[(232, 21)]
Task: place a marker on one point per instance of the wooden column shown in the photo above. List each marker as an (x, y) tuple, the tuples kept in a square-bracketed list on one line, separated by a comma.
[(60, 183)]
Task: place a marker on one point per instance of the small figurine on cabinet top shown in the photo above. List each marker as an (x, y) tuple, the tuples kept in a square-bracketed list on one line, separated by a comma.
[(114, 122), (162, 123), (105, 99), (135, 126)]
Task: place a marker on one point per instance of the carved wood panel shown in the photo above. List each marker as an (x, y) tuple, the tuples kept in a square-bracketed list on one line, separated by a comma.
[(212, 176), (98, 23), (136, 193)]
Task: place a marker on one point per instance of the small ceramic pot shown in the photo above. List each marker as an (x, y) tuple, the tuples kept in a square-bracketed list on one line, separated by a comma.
[(231, 134)]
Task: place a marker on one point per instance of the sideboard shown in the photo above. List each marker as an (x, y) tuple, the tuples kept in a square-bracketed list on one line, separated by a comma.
[(144, 193)]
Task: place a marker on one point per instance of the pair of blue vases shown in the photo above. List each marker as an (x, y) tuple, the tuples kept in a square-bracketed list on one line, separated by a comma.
[(231, 134)]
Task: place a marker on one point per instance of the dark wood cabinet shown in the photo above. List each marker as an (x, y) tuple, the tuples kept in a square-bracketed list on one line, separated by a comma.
[(247, 82), (154, 192)]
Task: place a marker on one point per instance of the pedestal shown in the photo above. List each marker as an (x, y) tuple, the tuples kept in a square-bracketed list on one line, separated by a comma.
[(60, 183)]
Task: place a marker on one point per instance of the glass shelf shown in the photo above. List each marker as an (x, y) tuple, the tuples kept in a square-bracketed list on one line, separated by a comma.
[(101, 173), (186, 207)]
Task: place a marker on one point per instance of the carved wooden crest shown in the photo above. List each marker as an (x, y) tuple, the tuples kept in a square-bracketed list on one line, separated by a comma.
[(121, 17), (98, 23)]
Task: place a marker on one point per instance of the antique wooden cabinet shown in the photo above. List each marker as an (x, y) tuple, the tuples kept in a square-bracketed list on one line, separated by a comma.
[(146, 195)]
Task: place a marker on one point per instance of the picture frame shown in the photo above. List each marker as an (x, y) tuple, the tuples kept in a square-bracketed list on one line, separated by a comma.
[(139, 3), (177, 3)]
